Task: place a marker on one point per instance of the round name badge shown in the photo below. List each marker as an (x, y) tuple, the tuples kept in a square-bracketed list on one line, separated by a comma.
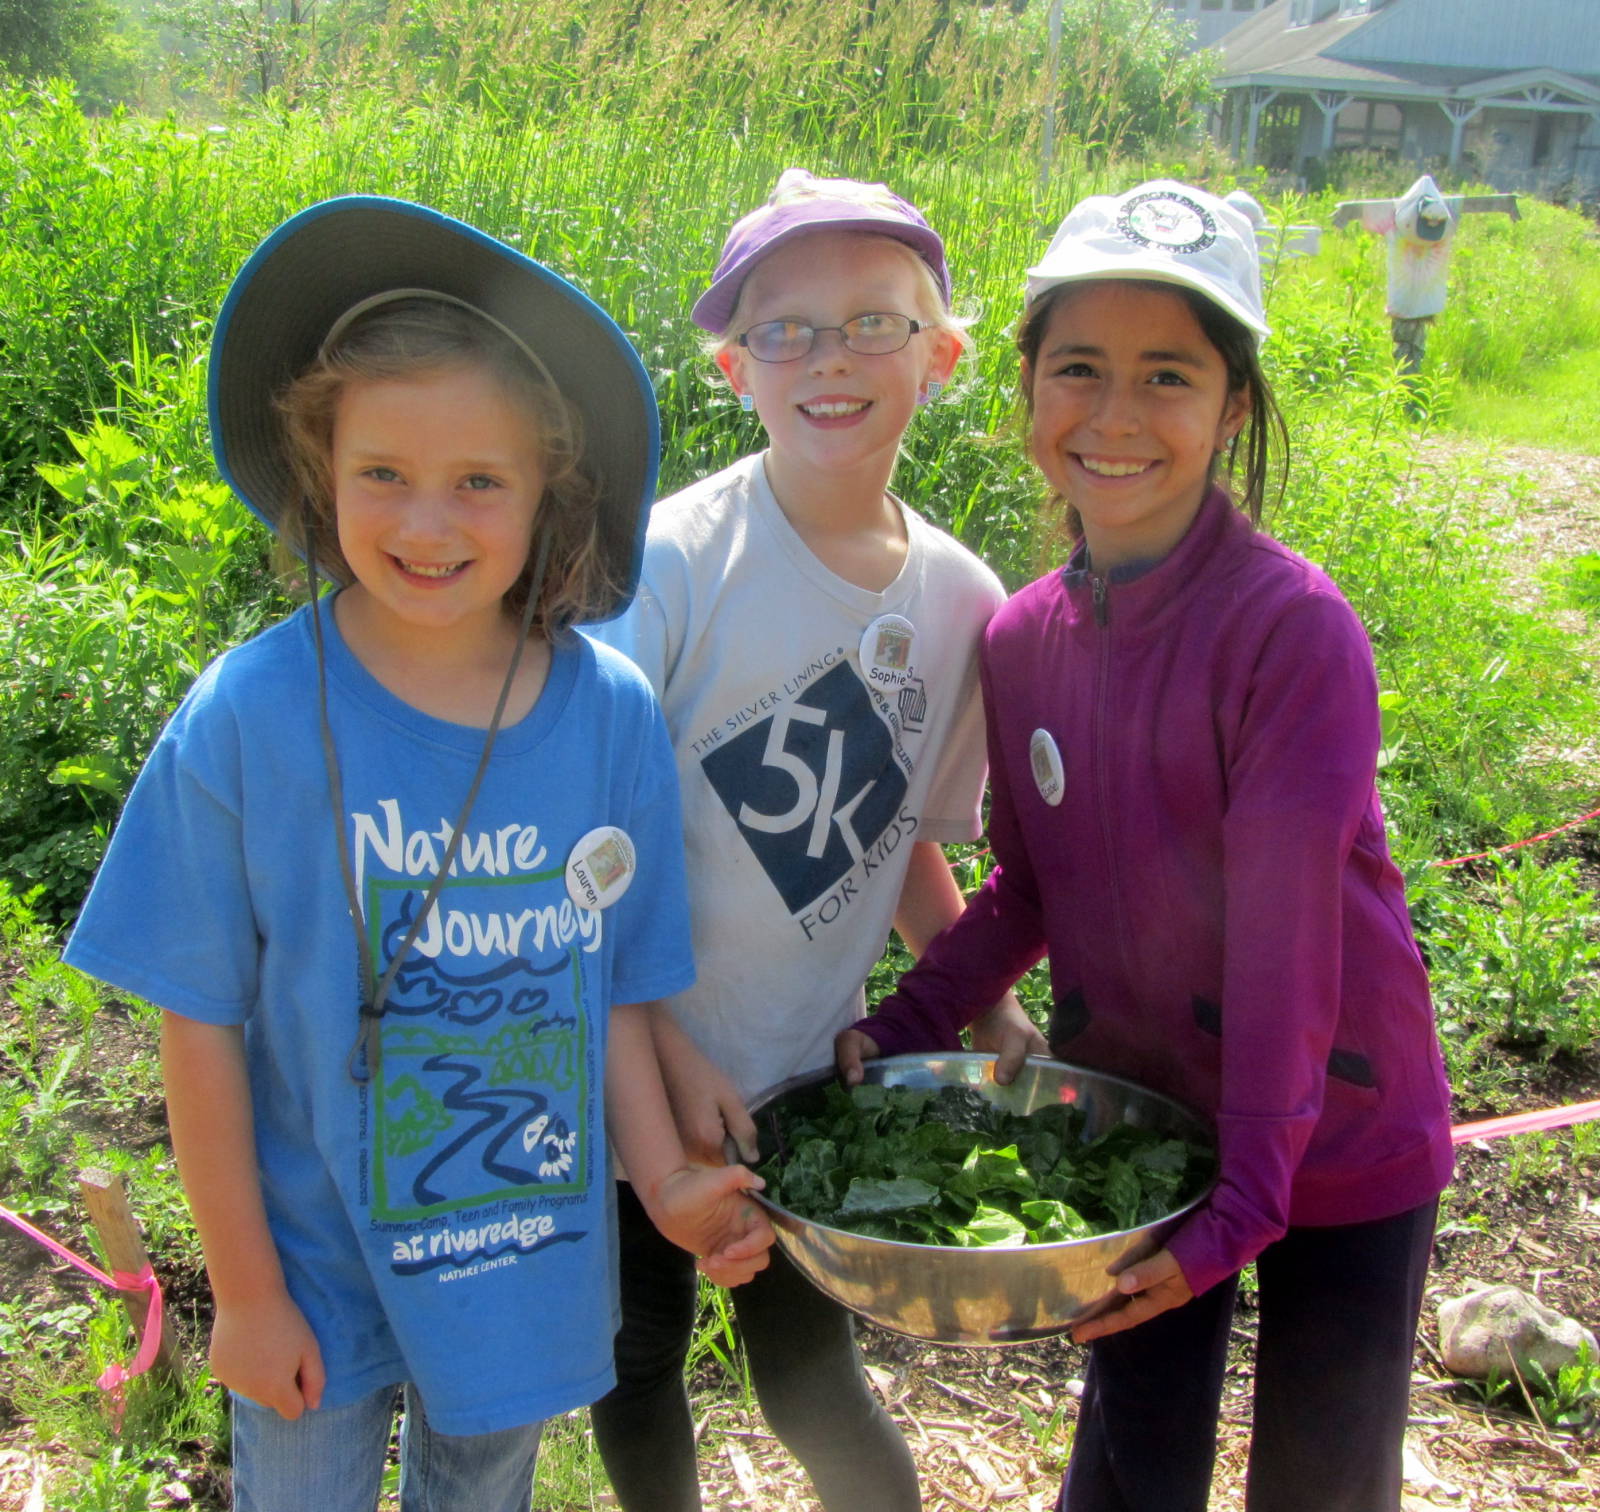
[(1048, 773), (886, 651), (600, 867)]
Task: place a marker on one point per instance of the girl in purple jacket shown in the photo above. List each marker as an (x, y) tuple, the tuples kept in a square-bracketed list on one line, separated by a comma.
[(1183, 738)]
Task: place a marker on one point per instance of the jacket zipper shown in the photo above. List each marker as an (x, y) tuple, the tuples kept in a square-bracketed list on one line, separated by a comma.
[(1102, 619)]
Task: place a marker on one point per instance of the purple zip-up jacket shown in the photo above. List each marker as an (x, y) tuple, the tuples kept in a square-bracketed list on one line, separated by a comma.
[(1213, 886)]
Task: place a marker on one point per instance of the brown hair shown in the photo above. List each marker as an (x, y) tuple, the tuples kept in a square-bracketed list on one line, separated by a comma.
[(411, 335), (1263, 432)]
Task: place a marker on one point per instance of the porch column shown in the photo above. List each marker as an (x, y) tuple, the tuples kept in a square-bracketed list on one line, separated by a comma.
[(1460, 112), (1259, 100), (1330, 104)]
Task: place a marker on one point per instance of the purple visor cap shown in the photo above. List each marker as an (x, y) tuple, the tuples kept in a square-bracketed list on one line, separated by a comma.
[(763, 231)]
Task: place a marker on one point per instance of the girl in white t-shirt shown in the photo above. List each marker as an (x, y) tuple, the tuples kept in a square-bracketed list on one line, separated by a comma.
[(813, 644)]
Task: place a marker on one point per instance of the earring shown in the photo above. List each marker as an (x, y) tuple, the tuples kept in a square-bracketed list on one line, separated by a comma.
[(931, 391), (747, 402)]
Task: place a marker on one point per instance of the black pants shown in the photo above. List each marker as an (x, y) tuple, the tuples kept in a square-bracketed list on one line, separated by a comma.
[(1338, 1322), (804, 1364)]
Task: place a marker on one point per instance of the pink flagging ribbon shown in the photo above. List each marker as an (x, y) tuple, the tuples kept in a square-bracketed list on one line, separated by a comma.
[(1500, 850), (1525, 1123), (113, 1376)]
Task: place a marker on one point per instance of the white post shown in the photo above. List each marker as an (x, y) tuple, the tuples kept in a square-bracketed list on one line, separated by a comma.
[(1259, 100), (1048, 141)]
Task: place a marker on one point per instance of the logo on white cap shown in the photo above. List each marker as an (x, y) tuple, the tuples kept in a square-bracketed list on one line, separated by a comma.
[(1173, 222)]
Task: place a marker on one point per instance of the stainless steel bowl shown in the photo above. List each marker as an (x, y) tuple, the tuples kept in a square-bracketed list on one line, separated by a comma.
[(978, 1296)]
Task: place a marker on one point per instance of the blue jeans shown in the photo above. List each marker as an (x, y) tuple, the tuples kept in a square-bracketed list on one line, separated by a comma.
[(332, 1460)]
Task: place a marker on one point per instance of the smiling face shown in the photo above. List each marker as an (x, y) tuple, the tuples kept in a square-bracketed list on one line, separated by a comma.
[(437, 480), (1130, 406), (834, 411)]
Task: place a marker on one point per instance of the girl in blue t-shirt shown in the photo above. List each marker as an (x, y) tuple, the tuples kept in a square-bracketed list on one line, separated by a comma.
[(405, 873)]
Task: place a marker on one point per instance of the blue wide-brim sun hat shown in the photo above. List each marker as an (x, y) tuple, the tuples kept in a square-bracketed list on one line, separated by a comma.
[(322, 262)]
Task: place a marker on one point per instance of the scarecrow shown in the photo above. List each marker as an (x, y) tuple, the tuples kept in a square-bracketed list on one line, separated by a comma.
[(1421, 230)]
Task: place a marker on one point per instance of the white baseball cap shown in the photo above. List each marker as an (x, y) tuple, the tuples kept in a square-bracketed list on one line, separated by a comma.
[(1165, 232)]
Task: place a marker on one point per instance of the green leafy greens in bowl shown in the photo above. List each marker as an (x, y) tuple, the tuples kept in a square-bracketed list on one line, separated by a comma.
[(947, 1166)]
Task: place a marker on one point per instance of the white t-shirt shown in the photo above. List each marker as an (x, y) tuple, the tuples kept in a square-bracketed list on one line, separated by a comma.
[(807, 772)]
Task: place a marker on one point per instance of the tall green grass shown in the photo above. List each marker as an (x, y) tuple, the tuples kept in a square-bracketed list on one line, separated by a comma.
[(919, 76), (132, 229)]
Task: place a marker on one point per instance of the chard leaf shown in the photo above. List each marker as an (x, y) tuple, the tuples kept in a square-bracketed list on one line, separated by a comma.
[(991, 1228), (1051, 1222), (999, 1171), (871, 1197)]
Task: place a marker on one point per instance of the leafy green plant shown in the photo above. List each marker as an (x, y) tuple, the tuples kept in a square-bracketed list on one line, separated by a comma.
[(1580, 582), (36, 1110), (50, 984), (1571, 1399), (1532, 1158), (1568, 1400), (1051, 1435), (1518, 961), (109, 613), (716, 1338), (122, 1482), (50, 1330)]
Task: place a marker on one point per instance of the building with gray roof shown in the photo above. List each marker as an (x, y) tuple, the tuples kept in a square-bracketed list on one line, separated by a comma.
[(1506, 93)]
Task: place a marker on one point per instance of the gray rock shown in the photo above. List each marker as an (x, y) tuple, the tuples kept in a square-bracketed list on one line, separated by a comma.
[(1483, 1332)]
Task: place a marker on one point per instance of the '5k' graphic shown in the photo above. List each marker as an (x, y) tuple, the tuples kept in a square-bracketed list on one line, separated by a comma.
[(812, 786)]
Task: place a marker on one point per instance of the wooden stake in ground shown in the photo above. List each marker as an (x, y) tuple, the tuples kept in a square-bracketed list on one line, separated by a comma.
[(106, 1197)]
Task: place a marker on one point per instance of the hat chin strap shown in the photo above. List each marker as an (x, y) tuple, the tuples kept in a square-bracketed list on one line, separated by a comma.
[(366, 1053), (394, 296)]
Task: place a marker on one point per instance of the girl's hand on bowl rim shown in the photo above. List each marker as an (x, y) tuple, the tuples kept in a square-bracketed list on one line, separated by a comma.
[(850, 1048), (1146, 1289)]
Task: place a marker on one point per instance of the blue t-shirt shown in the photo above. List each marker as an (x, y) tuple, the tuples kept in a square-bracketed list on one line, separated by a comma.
[(448, 1222)]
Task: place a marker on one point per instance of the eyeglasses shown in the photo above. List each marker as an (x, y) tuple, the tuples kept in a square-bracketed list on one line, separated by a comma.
[(871, 335)]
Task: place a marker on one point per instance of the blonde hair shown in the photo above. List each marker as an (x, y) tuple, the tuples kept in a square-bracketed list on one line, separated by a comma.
[(418, 334), (932, 310)]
